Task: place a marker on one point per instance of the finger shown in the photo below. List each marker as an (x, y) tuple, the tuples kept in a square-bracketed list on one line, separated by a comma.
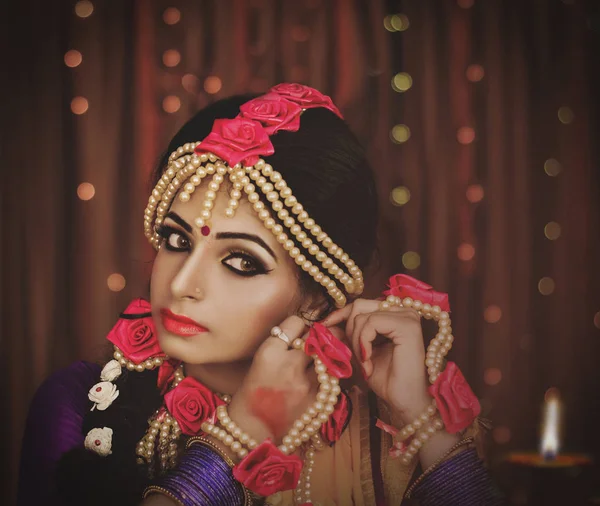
[(365, 306), (293, 327), (388, 325), (339, 315)]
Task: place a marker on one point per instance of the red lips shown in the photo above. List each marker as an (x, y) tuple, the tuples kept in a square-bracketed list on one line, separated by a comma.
[(180, 325)]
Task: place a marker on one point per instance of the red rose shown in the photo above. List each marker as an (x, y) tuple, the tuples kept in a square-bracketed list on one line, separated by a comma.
[(134, 334), (191, 404), (237, 140), (305, 97), (165, 374), (331, 431), (274, 113), (454, 399), (333, 353), (266, 470), (402, 286)]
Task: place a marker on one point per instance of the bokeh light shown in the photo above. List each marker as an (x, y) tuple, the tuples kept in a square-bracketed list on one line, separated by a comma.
[(552, 230), (501, 434), (171, 104), (465, 135), (73, 58), (475, 73), (492, 314), (400, 196), (79, 105), (411, 260), (86, 191), (552, 167), (116, 282), (171, 16), (492, 376), (466, 252), (475, 193), (212, 84), (546, 286), (597, 320), (190, 83), (396, 23), (400, 134), (400, 22), (171, 58), (566, 115), (401, 82), (84, 8)]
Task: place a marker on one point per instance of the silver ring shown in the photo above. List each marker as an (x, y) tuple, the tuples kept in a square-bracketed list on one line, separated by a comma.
[(280, 334)]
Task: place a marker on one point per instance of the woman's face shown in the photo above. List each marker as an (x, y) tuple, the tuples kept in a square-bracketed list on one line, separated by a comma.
[(236, 283)]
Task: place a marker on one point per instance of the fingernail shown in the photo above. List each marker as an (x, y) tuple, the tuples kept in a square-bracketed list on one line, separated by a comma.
[(363, 353), (364, 373)]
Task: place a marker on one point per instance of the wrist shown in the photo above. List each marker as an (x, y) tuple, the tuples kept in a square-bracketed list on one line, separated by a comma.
[(411, 410), (250, 424)]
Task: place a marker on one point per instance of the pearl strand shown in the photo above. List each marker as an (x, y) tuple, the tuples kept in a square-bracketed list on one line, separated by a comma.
[(420, 439), (301, 236), (148, 364), (303, 217), (302, 491), (282, 238), (235, 193)]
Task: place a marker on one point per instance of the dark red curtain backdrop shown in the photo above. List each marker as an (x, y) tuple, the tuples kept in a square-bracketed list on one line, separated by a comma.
[(495, 139)]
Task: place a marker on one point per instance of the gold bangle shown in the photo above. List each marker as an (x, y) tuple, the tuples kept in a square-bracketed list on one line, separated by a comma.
[(430, 469), (207, 442), (154, 489)]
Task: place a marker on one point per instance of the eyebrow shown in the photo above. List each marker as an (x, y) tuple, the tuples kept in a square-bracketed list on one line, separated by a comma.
[(225, 235)]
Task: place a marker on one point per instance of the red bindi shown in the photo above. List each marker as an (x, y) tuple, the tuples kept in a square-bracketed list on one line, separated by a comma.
[(205, 230)]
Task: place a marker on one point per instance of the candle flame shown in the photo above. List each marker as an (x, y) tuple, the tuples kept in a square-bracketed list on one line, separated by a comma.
[(550, 443)]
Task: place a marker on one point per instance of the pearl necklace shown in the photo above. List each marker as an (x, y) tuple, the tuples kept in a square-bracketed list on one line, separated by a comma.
[(163, 435)]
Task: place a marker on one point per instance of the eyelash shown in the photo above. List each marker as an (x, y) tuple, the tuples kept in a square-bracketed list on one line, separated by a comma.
[(165, 232)]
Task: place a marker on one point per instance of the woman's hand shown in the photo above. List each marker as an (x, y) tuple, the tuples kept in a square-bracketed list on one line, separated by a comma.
[(389, 345), (279, 387)]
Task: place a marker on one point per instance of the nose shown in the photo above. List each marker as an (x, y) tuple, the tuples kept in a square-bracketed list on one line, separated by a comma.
[(187, 282)]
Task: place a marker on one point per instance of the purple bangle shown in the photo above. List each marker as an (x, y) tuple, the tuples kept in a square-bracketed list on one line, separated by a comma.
[(459, 481), (202, 478)]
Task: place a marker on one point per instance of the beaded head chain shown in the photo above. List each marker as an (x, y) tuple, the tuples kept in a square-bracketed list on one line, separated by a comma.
[(233, 149)]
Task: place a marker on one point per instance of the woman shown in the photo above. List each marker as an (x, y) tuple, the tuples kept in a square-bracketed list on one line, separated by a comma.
[(238, 383)]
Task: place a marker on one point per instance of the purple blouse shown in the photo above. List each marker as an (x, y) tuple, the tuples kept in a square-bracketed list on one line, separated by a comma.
[(53, 428)]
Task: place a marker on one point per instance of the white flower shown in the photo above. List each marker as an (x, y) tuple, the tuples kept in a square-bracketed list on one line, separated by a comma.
[(111, 371), (103, 394), (99, 441)]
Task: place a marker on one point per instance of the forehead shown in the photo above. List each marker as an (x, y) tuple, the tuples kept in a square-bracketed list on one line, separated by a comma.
[(245, 218)]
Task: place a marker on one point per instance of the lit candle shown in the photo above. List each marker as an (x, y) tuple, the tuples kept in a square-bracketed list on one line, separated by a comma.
[(549, 445), (542, 475)]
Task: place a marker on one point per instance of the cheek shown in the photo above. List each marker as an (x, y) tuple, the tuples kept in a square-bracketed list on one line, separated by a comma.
[(259, 311)]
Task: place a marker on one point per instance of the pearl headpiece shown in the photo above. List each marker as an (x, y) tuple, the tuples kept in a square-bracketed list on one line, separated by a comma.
[(232, 150)]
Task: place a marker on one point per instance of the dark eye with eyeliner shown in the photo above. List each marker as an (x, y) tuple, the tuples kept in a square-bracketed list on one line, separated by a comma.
[(237, 261), (247, 264), (174, 239)]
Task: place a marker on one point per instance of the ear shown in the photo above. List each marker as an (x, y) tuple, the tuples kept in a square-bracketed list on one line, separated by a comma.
[(313, 308)]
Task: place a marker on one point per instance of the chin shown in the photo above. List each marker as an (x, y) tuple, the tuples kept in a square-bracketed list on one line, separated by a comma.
[(193, 350)]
